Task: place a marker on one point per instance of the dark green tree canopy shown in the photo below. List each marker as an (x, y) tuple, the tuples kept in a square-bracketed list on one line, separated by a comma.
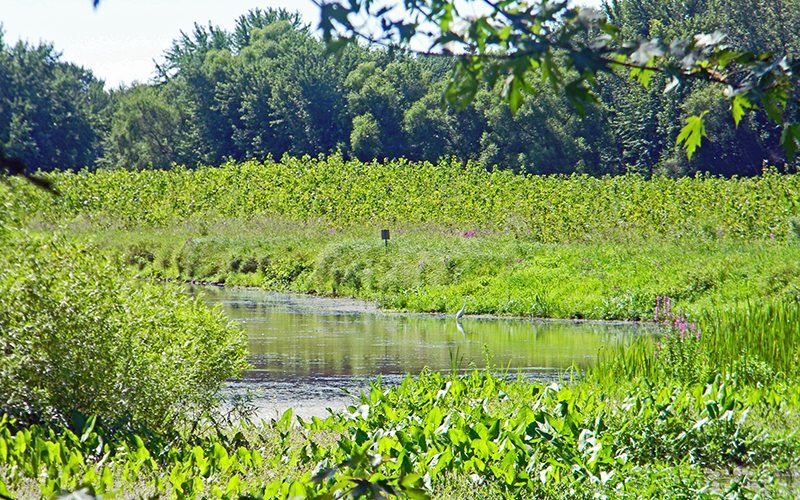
[(506, 88), (51, 112), (515, 42)]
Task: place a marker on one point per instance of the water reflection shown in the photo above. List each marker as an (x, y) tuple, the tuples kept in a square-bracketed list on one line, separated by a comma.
[(297, 337)]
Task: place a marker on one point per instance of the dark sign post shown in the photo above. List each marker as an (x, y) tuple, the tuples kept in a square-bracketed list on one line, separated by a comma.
[(385, 237)]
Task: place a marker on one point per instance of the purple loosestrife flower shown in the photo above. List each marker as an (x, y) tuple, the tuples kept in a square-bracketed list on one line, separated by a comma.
[(658, 306)]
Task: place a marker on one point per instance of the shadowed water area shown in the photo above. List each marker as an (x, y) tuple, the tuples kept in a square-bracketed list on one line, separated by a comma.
[(307, 351)]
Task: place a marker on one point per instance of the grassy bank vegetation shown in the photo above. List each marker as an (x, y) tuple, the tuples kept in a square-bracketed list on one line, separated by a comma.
[(77, 336), (563, 247), (708, 409)]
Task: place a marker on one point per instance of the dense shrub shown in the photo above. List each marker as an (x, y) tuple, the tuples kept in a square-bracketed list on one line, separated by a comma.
[(75, 336)]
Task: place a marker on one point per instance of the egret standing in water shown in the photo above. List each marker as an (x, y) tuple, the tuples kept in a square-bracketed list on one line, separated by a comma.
[(460, 313)]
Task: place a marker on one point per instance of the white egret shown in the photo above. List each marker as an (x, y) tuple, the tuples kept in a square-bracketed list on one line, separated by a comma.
[(460, 313)]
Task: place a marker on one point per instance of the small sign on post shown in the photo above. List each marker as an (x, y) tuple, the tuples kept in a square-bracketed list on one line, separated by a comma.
[(385, 237)]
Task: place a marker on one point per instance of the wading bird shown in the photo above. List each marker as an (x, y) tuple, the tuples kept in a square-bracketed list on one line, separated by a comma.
[(460, 313)]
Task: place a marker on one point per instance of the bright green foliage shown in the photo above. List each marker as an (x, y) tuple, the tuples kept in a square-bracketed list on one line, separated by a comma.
[(74, 335), (692, 133), (464, 197), (563, 247), (146, 131), (755, 343), (440, 436), (365, 137), (757, 340)]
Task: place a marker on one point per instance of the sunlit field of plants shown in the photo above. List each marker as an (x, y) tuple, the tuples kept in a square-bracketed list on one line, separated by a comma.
[(562, 247), (462, 197), (706, 409)]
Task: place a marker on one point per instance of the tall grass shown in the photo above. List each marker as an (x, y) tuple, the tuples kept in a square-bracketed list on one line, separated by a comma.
[(757, 341), (746, 337)]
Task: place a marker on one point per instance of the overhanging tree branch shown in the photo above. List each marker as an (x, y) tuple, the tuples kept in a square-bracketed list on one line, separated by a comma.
[(568, 47)]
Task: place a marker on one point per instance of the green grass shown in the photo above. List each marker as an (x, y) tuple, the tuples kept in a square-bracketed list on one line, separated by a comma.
[(430, 269)]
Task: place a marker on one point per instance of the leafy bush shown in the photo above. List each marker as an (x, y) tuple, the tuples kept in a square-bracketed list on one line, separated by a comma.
[(75, 336)]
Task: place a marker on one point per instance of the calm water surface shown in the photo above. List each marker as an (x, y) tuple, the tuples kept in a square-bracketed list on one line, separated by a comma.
[(306, 351)]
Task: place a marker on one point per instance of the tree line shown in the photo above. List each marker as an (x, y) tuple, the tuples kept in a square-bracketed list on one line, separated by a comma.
[(269, 87)]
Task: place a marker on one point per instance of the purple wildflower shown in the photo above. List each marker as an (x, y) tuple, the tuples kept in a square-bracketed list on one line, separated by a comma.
[(658, 306)]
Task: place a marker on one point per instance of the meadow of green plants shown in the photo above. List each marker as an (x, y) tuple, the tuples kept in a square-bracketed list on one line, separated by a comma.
[(436, 436), (707, 409), (564, 247), (462, 197)]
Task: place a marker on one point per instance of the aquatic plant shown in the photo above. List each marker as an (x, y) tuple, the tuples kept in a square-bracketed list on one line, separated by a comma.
[(758, 339), (441, 436), (680, 350)]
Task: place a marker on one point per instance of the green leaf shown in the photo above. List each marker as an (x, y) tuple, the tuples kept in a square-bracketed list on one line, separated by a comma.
[(700, 423), (643, 75), (416, 494), (790, 139), (692, 133), (233, 487), (738, 104)]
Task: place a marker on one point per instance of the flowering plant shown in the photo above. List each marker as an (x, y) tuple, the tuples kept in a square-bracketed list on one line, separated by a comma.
[(680, 350)]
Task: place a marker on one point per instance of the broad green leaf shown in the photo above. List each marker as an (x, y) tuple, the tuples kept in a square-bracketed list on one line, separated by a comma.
[(286, 419), (738, 105), (4, 493), (692, 133), (233, 487)]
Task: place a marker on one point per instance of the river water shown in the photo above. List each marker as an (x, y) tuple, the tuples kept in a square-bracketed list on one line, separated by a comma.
[(309, 352)]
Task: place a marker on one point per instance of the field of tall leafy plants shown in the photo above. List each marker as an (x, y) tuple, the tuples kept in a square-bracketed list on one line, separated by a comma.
[(575, 246), (461, 196)]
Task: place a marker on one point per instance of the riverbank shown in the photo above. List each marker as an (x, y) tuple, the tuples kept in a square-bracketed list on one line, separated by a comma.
[(432, 269)]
